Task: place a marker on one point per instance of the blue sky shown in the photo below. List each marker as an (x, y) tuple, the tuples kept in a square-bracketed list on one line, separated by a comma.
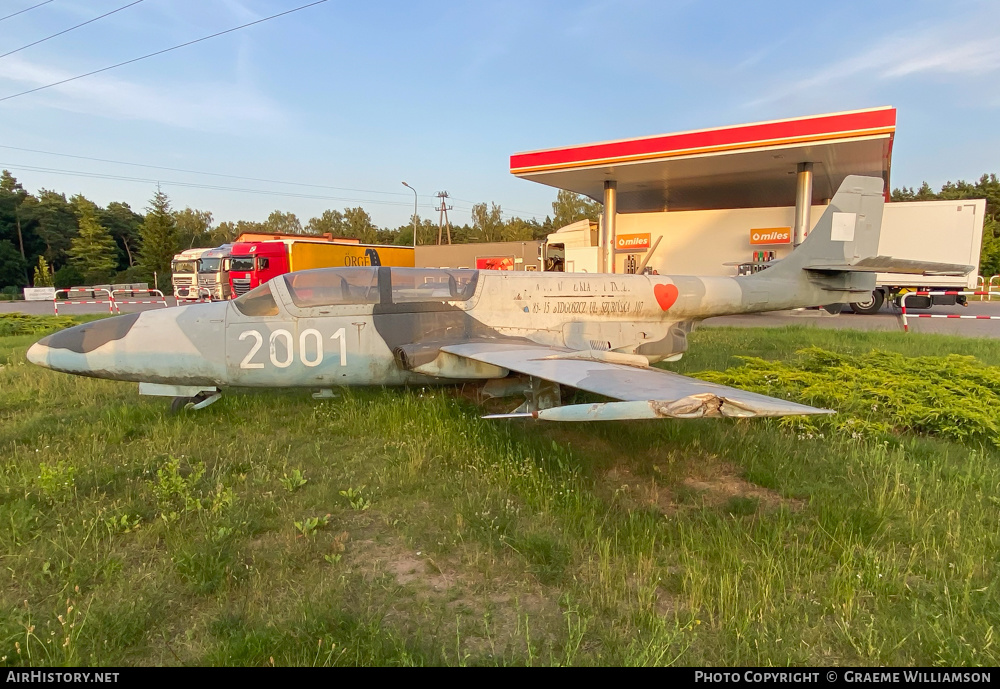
[(355, 97)]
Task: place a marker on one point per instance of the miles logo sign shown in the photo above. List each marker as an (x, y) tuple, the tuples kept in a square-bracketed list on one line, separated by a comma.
[(771, 235), (632, 242)]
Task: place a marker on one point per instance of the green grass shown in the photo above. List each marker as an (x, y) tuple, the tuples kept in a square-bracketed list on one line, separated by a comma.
[(398, 528)]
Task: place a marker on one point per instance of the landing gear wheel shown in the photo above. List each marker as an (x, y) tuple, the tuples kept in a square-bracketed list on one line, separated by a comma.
[(869, 306), (179, 404), (199, 401)]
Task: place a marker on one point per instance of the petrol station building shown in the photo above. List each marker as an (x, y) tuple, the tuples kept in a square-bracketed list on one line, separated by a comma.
[(691, 202)]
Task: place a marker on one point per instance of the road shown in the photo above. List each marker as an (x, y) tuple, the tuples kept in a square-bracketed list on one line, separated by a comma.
[(885, 320), (817, 319), (45, 307)]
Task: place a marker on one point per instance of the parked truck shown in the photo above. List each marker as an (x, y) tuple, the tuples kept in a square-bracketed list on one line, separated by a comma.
[(184, 274), (213, 273), (254, 263), (940, 231)]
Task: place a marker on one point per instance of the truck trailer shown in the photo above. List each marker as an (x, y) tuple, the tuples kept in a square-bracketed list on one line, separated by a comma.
[(940, 231), (254, 263)]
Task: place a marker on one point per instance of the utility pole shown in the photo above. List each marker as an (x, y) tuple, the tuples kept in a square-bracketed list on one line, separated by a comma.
[(414, 217), (443, 216)]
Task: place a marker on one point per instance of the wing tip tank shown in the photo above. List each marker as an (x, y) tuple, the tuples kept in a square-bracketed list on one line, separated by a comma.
[(700, 406)]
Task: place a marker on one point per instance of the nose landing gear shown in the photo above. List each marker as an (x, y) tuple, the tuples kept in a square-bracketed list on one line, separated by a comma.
[(199, 401), (184, 396)]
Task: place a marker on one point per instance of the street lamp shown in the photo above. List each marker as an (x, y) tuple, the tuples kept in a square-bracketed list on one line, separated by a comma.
[(414, 214)]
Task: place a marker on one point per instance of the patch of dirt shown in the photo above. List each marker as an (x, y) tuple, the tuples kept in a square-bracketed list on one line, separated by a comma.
[(720, 489), (456, 584), (423, 572), (715, 484), (641, 491)]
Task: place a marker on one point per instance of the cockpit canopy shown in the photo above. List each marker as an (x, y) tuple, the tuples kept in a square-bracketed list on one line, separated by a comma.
[(364, 285), (333, 286), (432, 284)]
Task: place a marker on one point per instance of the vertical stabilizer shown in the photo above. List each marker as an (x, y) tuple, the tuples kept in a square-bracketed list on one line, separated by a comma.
[(847, 232)]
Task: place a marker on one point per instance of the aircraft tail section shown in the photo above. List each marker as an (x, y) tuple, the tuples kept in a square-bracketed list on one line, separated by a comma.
[(838, 261), (847, 232)]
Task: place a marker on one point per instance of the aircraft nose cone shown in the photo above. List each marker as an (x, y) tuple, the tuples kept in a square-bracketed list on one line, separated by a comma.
[(68, 350), (184, 345)]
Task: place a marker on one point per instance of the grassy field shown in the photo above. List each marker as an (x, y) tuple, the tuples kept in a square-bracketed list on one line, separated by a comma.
[(398, 528)]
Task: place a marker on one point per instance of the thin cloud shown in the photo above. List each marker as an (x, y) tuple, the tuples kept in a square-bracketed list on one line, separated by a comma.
[(241, 11), (201, 106), (973, 58), (942, 50)]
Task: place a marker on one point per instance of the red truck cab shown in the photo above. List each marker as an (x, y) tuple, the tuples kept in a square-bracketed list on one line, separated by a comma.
[(254, 263)]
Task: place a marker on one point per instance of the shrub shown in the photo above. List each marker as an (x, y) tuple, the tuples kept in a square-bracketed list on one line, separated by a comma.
[(880, 393)]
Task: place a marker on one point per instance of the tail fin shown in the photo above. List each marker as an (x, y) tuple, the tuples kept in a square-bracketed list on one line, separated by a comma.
[(847, 232), (845, 242), (838, 261)]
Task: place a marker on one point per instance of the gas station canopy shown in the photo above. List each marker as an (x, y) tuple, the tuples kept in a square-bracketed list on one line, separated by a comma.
[(742, 166)]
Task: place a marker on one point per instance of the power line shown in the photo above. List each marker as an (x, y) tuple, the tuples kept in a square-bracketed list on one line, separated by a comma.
[(25, 10), (209, 174), (219, 174), (89, 21), (515, 210), (215, 187), (194, 185), (161, 52), (226, 176)]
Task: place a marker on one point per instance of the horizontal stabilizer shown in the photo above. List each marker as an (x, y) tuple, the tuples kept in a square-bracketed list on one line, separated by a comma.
[(704, 405), (888, 264)]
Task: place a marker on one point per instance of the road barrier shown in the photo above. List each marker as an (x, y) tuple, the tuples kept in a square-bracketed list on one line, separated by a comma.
[(79, 292), (141, 293), (90, 295), (981, 285), (204, 296), (902, 306), (990, 286)]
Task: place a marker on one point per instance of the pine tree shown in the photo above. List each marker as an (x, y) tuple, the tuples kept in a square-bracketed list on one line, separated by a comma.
[(43, 274), (159, 238), (93, 251)]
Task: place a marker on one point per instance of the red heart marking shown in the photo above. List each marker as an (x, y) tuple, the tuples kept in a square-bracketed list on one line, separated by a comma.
[(665, 295)]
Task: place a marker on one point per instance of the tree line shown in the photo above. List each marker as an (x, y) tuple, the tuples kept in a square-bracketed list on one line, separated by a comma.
[(47, 239)]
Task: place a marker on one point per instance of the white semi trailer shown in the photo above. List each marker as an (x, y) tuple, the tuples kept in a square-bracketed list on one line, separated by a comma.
[(941, 231)]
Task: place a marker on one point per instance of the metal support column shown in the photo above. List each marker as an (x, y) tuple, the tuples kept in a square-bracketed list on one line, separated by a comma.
[(803, 202), (608, 234)]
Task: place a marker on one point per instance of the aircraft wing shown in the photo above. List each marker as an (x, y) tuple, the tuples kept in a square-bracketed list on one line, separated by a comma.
[(645, 392)]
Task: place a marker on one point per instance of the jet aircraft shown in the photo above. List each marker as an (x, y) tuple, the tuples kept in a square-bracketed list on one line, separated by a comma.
[(518, 333)]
